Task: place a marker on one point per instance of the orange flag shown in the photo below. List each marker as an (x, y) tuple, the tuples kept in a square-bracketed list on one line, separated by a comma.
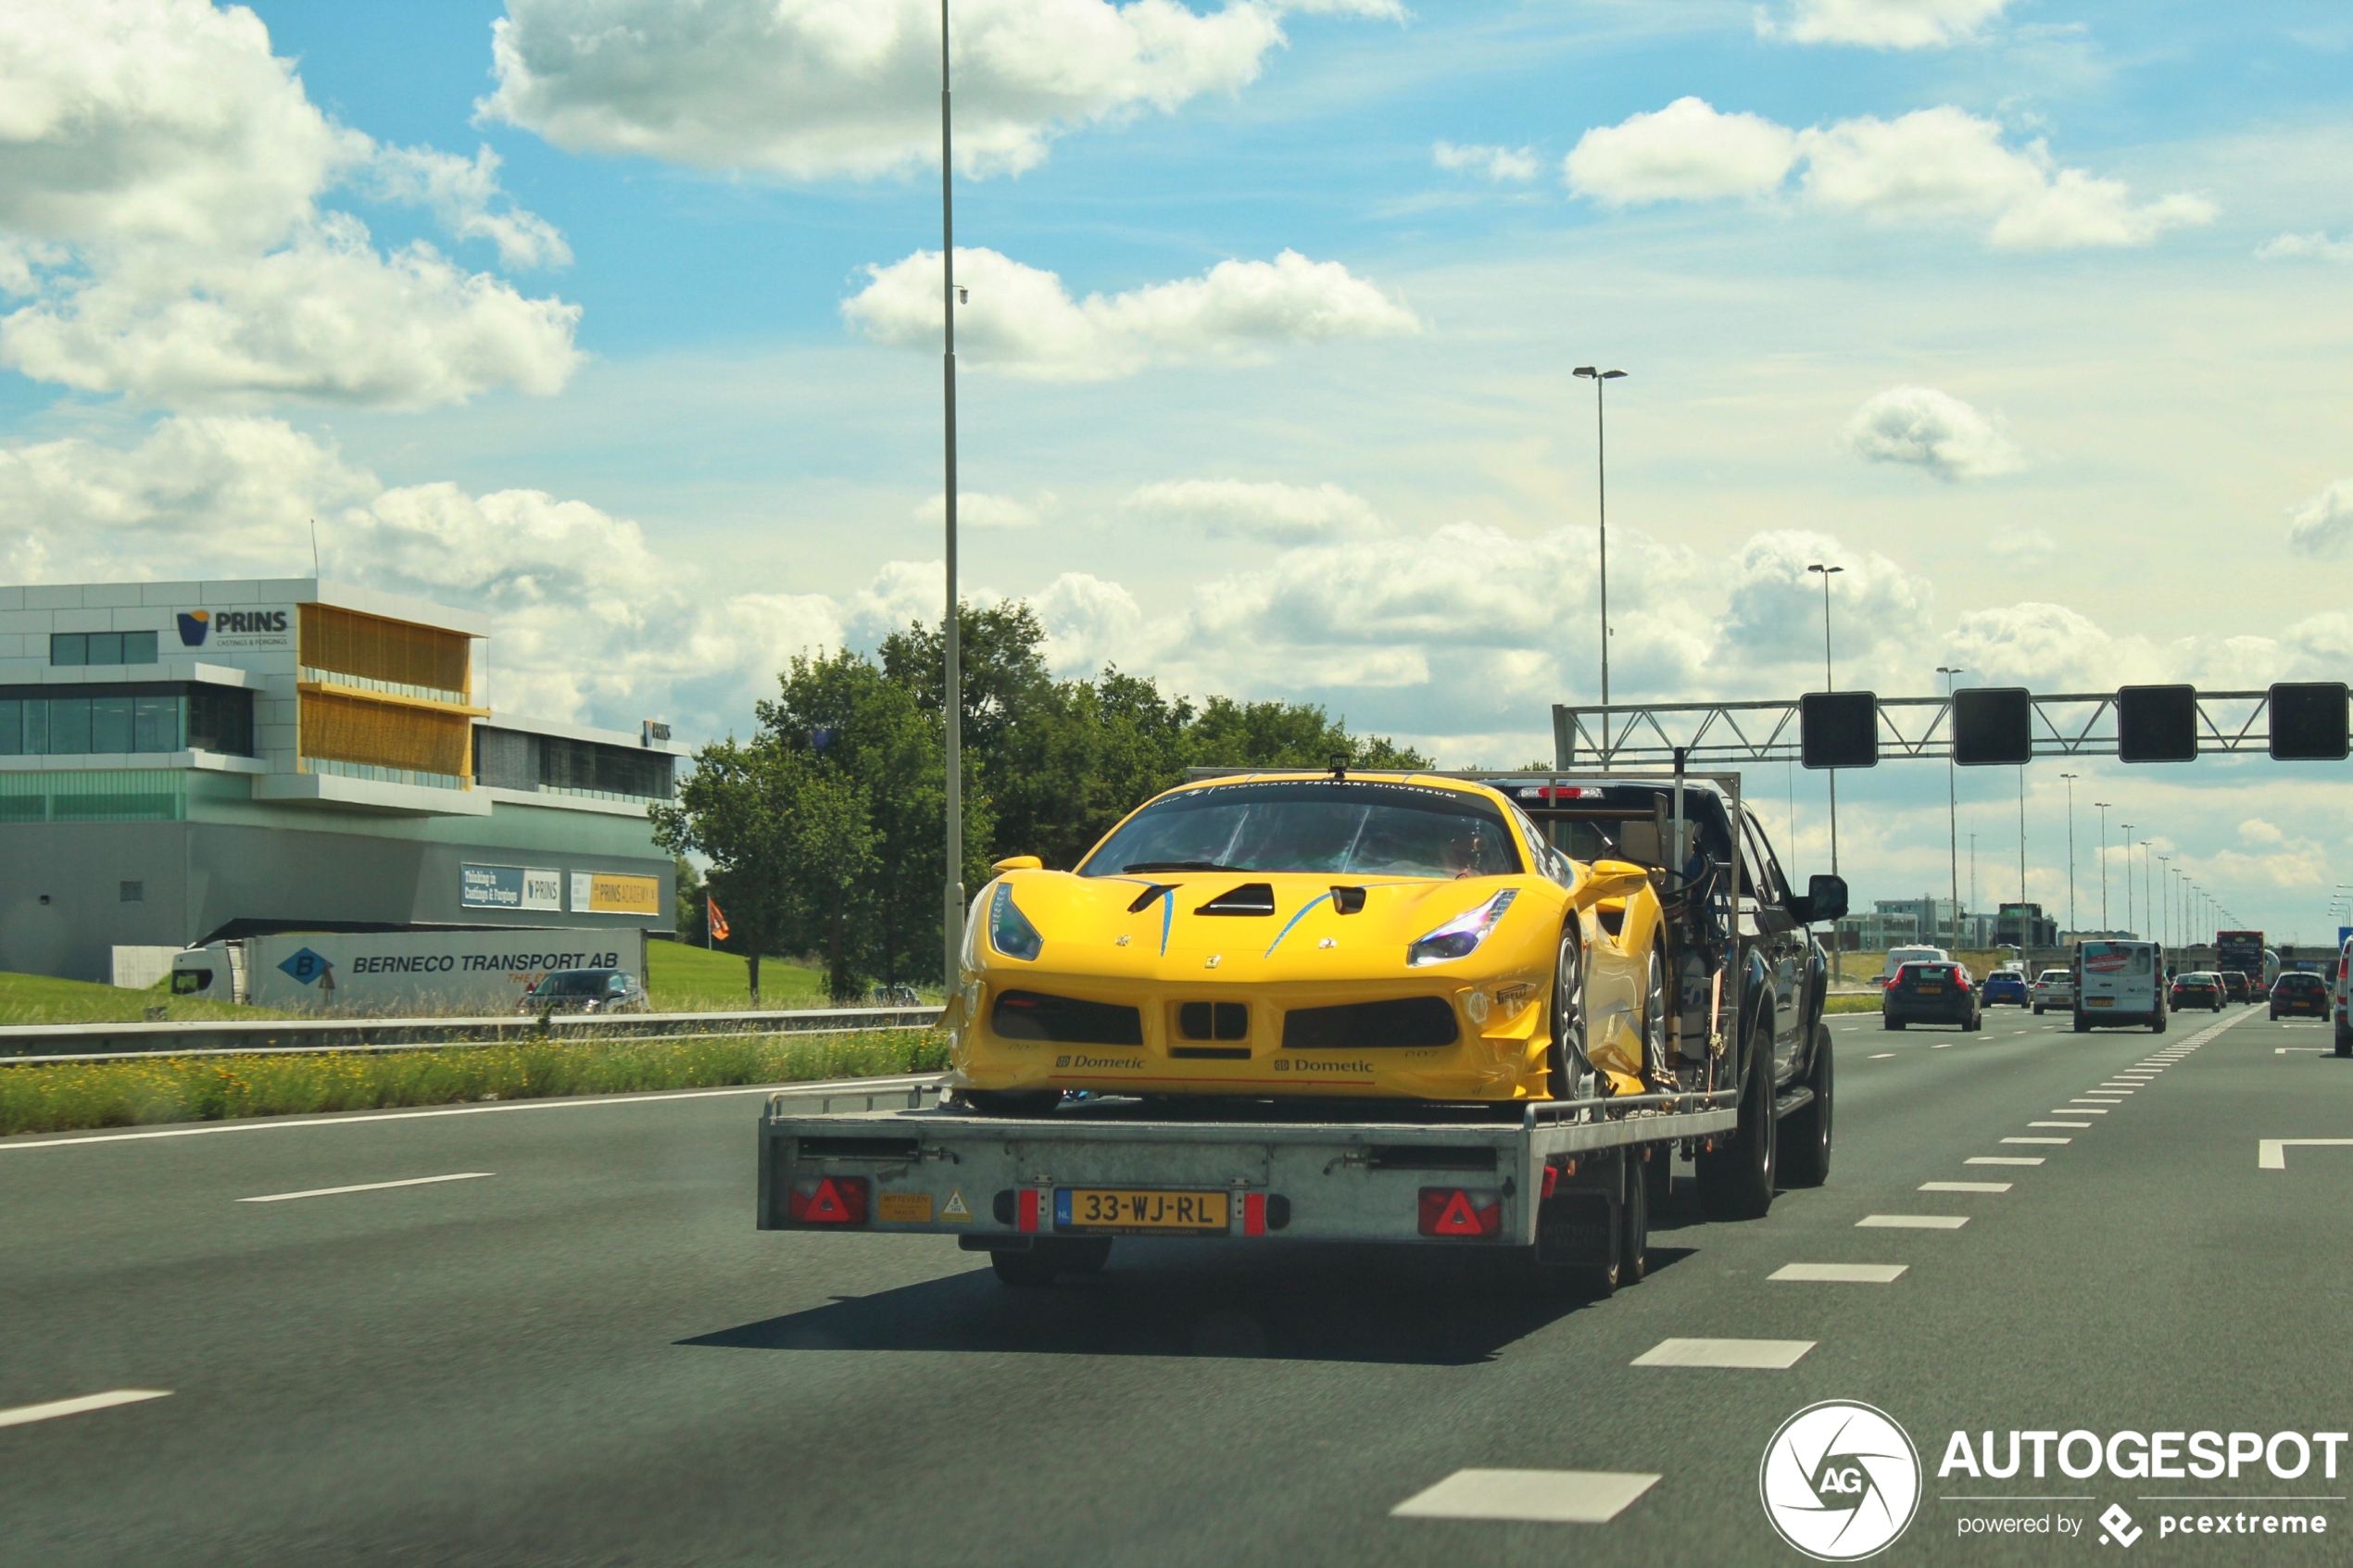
[(718, 920)]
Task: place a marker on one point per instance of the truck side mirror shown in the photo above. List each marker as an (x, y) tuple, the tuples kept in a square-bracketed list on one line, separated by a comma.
[(1825, 899)]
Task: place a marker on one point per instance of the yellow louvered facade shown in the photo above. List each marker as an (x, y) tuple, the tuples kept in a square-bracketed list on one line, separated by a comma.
[(394, 655), (337, 728)]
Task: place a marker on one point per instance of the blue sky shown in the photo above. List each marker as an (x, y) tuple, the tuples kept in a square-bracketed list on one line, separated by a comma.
[(2033, 314)]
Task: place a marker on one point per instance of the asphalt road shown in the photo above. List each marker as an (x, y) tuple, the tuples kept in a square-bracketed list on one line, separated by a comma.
[(587, 1355)]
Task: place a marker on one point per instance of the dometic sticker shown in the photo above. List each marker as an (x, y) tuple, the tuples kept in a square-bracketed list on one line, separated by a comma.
[(955, 1208), (905, 1208), (1840, 1481), (1084, 1062), (1312, 1064)]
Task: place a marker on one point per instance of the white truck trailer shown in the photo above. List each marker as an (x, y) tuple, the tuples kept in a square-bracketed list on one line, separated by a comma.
[(1566, 1187), (397, 972)]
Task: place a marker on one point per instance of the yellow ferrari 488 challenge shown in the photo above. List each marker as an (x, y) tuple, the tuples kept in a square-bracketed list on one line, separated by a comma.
[(1358, 935)]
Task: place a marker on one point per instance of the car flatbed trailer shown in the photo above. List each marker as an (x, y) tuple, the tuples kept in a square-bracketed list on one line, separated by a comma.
[(1567, 1185)]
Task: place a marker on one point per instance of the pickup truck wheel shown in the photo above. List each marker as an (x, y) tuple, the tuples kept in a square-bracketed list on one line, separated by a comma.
[(1892, 1023), (1571, 1074), (1736, 1179), (1808, 1132), (1051, 1257)]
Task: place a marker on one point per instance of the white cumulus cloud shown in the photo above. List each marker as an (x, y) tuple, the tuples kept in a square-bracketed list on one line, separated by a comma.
[(1924, 428), (1883, 24), (2322, 523), (1933, 165), (1021, 320), (1270, 512), (1685, 152), (1491, 163), (160, 181), (812, 89), (2315, 247)]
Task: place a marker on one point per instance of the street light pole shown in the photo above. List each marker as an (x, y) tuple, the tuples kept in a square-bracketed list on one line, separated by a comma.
[(2103, 805), (952, 629), (1601, 379), (1952, 798), (2165, 929), (2128, 876), (1829, 684), (2071, 921)]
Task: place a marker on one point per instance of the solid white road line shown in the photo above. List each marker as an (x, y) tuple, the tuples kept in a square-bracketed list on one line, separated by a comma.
[(1839, 1274), (2003, 1160), (2038, 1140), (1912, 1222), (571, 1102), (2271, 1154), (2058, 1124), (1774, 1355), (1538, 1496), (367, 1187), (1965, 1186), (25, 1415)]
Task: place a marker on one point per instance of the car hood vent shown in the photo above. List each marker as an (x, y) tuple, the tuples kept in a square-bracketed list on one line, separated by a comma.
[(1250, 898)]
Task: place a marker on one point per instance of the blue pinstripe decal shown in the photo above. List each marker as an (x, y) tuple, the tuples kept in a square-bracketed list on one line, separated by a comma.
[(1311, 903)]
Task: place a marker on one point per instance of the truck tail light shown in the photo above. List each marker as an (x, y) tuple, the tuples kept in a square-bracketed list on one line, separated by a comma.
[(1460, 1211), (828, 1200)]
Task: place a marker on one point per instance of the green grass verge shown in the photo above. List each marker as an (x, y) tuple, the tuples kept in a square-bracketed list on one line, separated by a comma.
[(64, 1096), (41, 999), (1852, 1003)]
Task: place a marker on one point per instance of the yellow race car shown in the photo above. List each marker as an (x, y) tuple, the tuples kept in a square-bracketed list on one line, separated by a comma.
[(1343, 934)]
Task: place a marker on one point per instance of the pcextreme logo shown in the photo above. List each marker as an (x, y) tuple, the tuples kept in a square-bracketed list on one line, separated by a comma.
[(1840, 1481)]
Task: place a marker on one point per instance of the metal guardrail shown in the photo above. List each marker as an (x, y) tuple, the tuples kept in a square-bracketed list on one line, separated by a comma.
[(103, 1042)]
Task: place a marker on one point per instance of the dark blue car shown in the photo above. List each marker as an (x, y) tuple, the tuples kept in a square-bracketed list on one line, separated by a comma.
[(2005, 986)]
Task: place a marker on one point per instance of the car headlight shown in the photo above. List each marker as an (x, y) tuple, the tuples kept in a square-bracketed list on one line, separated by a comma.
[(1009, 929), (1460, 937)]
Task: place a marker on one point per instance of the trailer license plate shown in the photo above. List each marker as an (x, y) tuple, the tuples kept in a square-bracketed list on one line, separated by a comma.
[(1110, 1210)]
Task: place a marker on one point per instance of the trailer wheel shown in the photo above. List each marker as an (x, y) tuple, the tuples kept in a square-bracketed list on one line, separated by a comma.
[(1634, 1230), (1570, 1070), (1051, 1256), (1809, 1129), (1736, 1181)]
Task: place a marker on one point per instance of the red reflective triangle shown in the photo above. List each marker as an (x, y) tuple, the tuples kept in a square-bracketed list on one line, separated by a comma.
[(827, 1203), (1459, 1219)]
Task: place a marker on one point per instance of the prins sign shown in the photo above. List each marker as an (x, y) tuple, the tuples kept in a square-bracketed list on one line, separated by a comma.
[(236, 631)]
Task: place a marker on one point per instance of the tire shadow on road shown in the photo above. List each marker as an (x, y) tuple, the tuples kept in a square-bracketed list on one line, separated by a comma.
[(1161, 1298)]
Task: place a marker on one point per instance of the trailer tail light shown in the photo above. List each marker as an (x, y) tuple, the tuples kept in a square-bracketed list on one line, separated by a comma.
[(828, 1200), (1030, 1203), (1460, 1211)]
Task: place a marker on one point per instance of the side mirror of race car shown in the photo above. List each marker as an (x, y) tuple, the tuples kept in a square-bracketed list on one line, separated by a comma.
[(1018, 864), (1824, 899)]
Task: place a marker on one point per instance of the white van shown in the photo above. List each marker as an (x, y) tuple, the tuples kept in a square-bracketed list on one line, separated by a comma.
[(2120, 983), (1898, 956)]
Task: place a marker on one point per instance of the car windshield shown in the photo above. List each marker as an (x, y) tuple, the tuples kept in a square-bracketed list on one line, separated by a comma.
[(2055, 975), (1330, 827), (577, 983)]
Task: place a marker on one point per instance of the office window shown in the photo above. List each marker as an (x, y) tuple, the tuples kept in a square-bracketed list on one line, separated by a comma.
[(154, 724), (11, 726), (110, 722), (102, 647), (221, 719), (68, 725)]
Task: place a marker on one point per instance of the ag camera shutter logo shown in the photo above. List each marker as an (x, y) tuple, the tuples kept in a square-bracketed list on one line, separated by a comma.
[(1840, 1481)]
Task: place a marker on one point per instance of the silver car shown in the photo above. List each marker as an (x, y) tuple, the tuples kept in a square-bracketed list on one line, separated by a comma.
[(584, 990), (2054, 988)]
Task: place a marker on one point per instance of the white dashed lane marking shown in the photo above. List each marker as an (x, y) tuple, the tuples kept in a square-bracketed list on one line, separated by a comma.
[(2003, 1160), (2078, 1110), (2038, 1140), (26, 1414), (1965, 1186), (1538, 1496), (2271, 1154), (1772, 1355), (1912, 1222), (1883, 1056), (2058, 1124), (367, 1187), (1839, 1274)]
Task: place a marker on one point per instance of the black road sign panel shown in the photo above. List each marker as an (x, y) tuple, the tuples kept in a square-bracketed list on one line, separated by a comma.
[(1838, 729), (1993, 726), (2157, 724), (2309, 721)]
